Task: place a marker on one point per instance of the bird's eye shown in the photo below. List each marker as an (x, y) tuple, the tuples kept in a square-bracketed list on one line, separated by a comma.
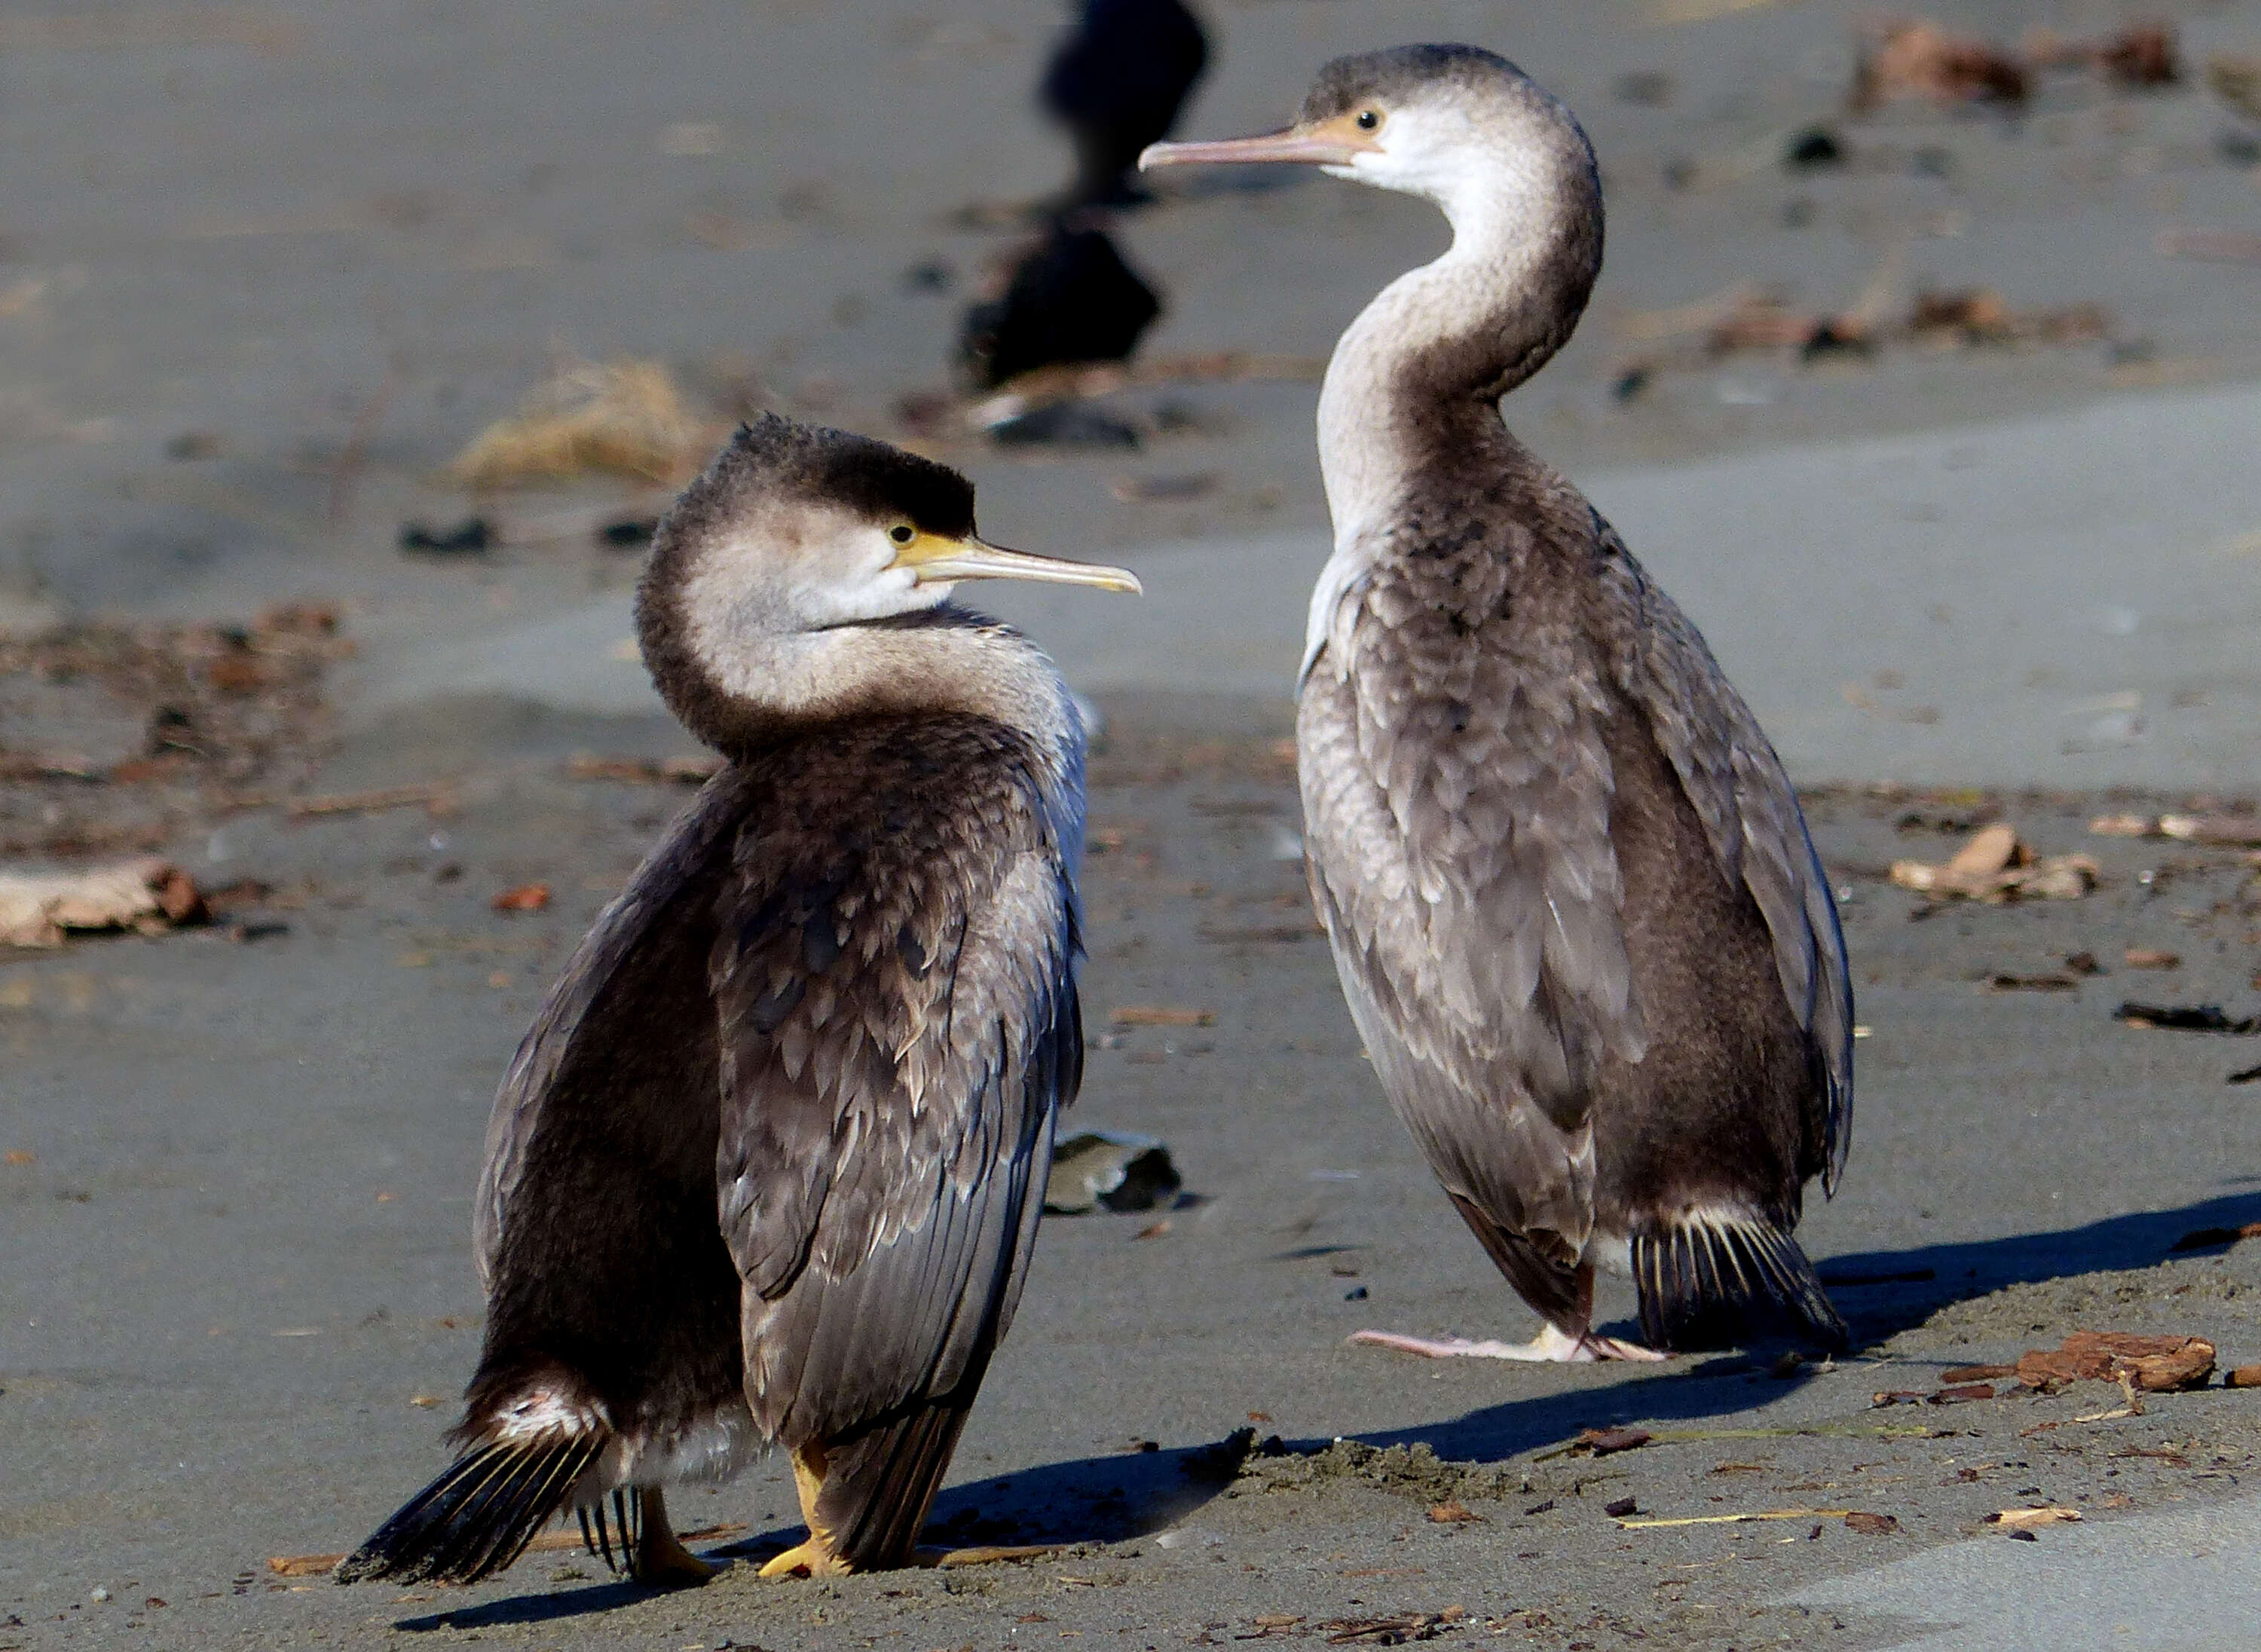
[(902, 533), (1368, 120)]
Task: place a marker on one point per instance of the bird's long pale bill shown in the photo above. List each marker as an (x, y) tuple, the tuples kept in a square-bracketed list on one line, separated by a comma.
[(1322, 146), (934, 560)]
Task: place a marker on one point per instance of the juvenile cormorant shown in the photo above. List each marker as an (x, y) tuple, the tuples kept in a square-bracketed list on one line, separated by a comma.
[(767, 1168), (1572, 898)]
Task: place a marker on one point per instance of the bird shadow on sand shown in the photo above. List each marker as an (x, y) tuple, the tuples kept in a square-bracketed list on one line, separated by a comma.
[(1882, 1293), (1125, 1496), (1088, 1500)]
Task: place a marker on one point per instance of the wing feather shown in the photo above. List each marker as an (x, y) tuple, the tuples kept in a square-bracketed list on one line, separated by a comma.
[(886, 1138), (1751, 817), (1456, 803), (655, 901)]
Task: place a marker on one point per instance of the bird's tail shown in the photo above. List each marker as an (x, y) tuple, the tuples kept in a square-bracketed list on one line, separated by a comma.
[(1713, 1276), (521, 1466), (879, 1485)]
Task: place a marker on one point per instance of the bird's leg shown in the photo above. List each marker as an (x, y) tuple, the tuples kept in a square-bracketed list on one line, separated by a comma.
[(661, 1560), (1552, 1345), (817, 1556)]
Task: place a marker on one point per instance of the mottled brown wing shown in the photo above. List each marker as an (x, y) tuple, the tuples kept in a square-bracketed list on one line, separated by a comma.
[(556, 1053), (1456, 798), (898, 1026), (1750, 814)]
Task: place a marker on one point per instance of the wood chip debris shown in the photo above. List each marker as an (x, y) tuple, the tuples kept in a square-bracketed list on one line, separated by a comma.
[(526, 897), (1603, 1442), (149, 896), (1159, 1015), (2152, 958), (1454, 1513), (2243, 1376), (437, 795), (1995, 866), (2027, 1519), (2187, 1018), (684, 771), (2237, 831), (2006, 981)]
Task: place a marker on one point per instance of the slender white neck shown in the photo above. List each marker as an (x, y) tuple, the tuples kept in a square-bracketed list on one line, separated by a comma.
[(1415, 380), (1451, 328)]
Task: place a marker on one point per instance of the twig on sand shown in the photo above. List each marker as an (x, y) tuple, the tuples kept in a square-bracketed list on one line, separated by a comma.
[(1646, 1524), (1842, 1431), (424, 792)]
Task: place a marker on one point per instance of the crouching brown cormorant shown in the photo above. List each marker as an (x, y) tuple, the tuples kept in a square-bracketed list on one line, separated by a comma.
[(767, 1170)]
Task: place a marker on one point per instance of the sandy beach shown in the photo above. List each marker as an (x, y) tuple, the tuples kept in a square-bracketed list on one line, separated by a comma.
[(265, 270)]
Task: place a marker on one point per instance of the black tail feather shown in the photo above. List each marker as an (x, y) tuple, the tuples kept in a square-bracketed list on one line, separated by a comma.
[(880, 1485), (1710, 1281), (479, 1517)]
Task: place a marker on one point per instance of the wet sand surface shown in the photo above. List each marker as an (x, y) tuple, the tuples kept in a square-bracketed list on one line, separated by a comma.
[(242, 1304), (333, 243)]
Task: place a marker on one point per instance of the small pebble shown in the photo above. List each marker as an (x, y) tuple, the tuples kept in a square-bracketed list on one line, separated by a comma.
[(99, 1595)]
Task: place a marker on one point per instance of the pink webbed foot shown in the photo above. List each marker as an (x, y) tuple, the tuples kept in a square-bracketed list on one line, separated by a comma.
[(1551, 1346)]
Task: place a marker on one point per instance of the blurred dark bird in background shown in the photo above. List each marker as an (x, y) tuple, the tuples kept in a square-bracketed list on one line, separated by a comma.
[(1069, 299), (1117, 83)]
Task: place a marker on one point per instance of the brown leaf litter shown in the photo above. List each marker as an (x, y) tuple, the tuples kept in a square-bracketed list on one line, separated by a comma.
[(149, 896), (2156, 1365), (624, 417), (1995, 866), (1747, 317), (1916, 57)]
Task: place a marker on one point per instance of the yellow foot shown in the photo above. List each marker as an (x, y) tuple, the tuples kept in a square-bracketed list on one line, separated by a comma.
[(983, 1553), (812, 1558), (661, 1560)]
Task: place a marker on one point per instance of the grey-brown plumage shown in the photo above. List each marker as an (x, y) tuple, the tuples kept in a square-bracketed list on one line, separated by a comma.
[(1573, 903), (768, 1167)]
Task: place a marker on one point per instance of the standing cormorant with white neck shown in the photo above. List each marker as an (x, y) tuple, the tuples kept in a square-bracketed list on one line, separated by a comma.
[(1572, 898)]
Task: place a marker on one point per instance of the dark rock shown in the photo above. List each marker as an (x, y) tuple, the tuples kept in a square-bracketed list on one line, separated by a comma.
[(1815, 147), (473, 536)]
